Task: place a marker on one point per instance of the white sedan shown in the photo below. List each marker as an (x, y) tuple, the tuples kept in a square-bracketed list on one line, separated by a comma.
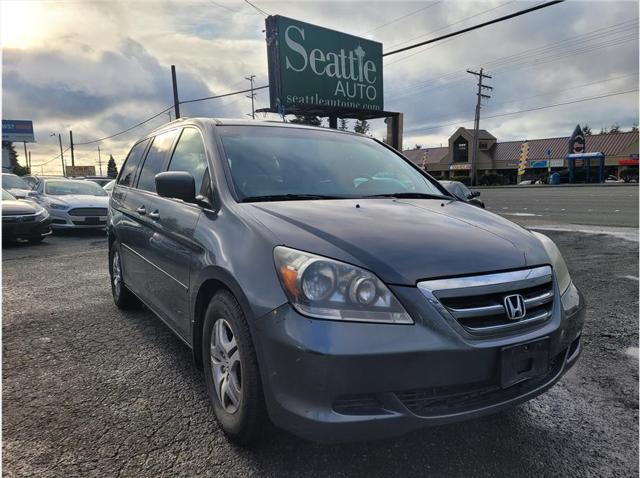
[(73, 203)]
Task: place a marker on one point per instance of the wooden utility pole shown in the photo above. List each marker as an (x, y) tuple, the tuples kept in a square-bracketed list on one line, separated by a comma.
[(99, 161), (476, 124), (252, 96), (176, 102), (73, 161)]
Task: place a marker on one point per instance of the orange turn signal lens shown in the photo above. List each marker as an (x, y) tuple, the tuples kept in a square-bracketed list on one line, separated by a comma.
[(290, 280)]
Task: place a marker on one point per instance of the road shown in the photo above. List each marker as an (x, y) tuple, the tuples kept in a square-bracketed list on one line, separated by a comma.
[(90, 390), (608, 205)]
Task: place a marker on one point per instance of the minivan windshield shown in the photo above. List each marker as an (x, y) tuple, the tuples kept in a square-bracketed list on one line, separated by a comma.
[(63, 188), (278, 163)]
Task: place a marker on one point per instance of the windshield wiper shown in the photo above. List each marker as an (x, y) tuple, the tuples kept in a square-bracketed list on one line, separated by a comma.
[(409, 196), (289, 197)]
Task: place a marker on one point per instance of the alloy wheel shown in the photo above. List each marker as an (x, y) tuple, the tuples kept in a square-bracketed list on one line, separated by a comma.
[(226, 366), (116, 274)]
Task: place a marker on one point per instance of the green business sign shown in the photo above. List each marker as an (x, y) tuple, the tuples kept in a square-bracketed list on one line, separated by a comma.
[(321, 71)]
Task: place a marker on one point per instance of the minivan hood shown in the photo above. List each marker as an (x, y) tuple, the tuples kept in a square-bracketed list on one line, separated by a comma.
[(403, 240)]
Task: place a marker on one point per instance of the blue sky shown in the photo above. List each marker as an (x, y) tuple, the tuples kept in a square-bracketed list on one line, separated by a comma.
[(100, 67)]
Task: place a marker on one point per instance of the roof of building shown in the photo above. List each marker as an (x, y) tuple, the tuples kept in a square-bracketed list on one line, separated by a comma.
[(611, 144), (431, 155)]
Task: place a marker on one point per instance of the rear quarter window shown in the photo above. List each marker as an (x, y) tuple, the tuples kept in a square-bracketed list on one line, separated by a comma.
[(130, 166), (156, 160)]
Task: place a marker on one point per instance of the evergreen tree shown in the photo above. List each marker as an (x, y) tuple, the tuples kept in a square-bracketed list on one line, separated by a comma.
[(14, 166), (362, 127), (307, 119), (417, 146), (586, 130), (343, 125), (615, 128), (112, 170)]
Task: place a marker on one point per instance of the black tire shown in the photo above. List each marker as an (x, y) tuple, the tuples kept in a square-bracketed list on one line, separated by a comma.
[(241, 426), (36, 240), (123, 297)]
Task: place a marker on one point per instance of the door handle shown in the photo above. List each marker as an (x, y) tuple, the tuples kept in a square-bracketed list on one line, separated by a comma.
[(141, 210), (155, 215)]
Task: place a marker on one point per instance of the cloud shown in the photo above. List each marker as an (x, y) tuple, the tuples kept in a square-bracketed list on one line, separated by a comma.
[(100, 67)]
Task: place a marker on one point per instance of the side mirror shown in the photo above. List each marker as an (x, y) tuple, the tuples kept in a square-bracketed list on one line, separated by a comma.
[(176, 185), (475, 194)]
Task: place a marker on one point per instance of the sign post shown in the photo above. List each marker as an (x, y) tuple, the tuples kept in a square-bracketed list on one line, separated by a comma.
[(522, 164)]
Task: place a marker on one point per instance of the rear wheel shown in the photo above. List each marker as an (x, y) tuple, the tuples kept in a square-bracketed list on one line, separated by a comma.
[(122, 296), (231, 370)]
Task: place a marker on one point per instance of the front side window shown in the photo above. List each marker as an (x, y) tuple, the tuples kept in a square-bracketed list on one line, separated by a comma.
[(130, 166), (190, 156), (155, 161), (274, 161), (65, 188)]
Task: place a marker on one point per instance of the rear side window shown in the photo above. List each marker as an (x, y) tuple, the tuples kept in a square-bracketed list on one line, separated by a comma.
[(190, 156), (156, 159), (130, 166)]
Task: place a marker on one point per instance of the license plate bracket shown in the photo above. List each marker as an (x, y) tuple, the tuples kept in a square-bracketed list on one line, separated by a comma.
[(524, 361)]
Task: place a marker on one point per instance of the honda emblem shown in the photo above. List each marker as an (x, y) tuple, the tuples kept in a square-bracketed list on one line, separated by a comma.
[(514, 307)]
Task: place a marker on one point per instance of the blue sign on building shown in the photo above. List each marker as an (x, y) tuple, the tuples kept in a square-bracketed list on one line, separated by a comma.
[(18, 131)]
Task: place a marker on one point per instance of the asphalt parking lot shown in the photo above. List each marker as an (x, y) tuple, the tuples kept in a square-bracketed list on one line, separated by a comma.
[(89, 390)]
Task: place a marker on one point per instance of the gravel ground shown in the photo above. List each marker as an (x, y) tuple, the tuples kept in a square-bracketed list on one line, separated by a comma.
[(91, 391)]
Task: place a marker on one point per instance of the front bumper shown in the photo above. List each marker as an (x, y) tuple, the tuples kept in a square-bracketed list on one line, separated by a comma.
[(26, 230), (333, 381), (61, 219)]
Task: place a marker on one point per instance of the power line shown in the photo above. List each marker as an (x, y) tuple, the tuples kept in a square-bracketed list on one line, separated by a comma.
[(400, 18), (544, 50), (526, 110), (474, 27), (258, 9), (225, 94), (223, 6), (49, 160), (451, 24), (126, 130)]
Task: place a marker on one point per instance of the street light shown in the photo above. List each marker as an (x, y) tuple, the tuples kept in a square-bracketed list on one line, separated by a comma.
[(61, 153)]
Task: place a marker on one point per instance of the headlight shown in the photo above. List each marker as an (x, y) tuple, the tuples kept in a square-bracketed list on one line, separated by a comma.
[(327, 289), (55, 205), (42, 214), (557, 262)]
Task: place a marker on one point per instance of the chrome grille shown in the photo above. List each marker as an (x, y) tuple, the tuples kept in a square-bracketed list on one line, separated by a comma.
[(478, 302), (88, 211)]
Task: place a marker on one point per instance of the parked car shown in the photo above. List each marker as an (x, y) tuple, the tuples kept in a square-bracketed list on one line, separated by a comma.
[(24, 219), (462, 192), (341, 309), (73, 203), (16, 186), (109, 186), (99, 180), (30, 180)]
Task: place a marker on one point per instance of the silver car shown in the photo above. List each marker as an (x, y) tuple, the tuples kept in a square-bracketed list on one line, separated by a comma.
[(73, 203), (16, 186)]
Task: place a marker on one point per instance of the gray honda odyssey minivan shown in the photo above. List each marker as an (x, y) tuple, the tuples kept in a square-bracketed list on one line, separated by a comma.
[(325, 282)]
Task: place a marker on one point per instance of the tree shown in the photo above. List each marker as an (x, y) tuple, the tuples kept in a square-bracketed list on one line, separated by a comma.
[(362, 127), (417, 146), (586, 129), (634, 128), (604, 131), (615, 128), (343, 125), (13, 166), (307, 119), (112, 170)]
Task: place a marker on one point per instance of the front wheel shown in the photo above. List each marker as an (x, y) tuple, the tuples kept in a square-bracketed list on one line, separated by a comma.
[(123, 297), (231, 370)]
